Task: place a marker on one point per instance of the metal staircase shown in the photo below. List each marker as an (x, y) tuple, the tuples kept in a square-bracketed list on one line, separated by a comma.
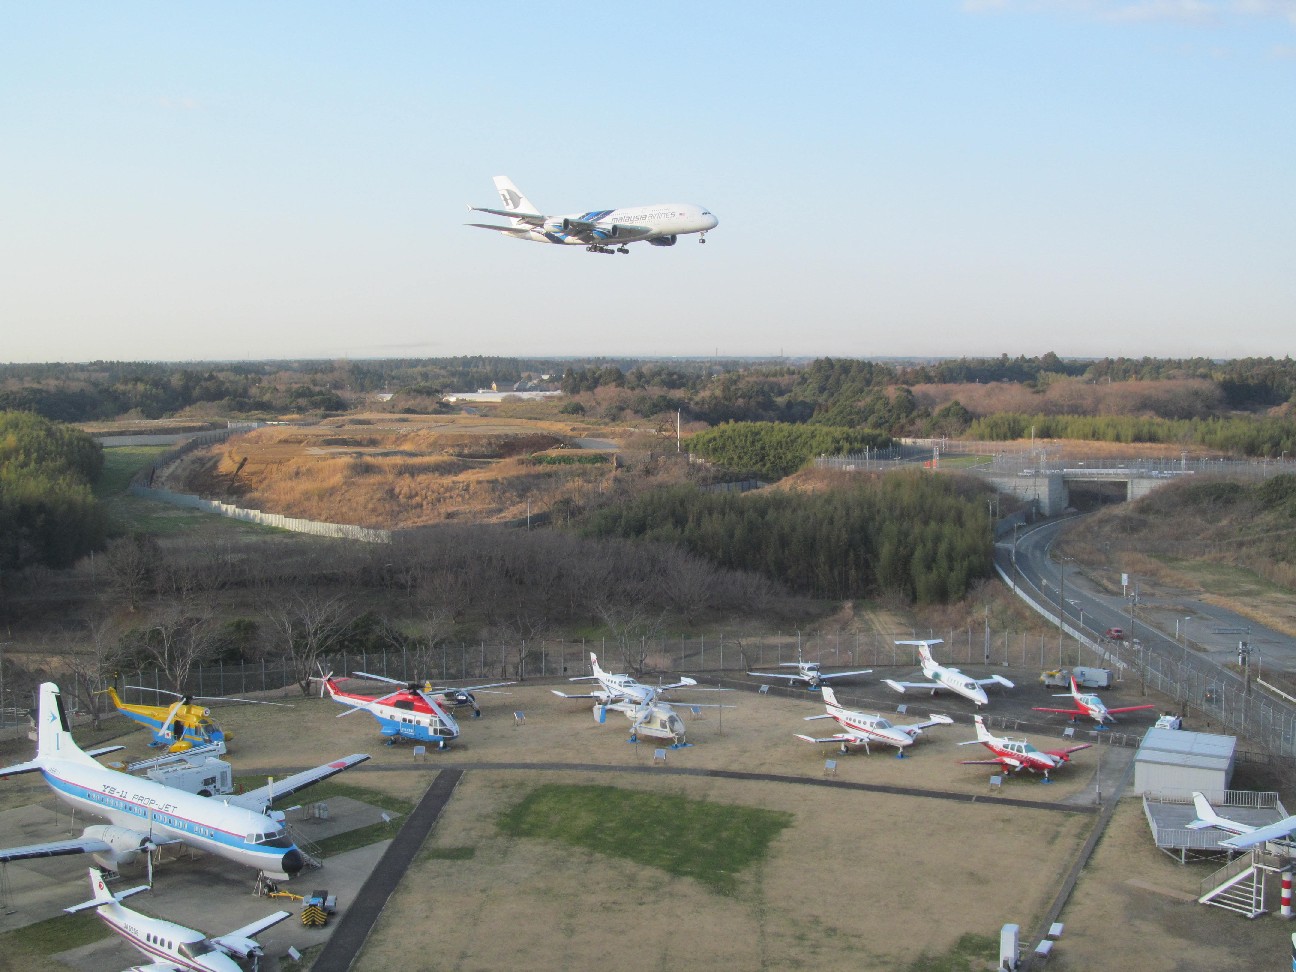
[(1242, 884)]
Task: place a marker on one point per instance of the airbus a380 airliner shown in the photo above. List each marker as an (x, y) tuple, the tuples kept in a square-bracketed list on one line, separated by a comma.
[(600, 230)]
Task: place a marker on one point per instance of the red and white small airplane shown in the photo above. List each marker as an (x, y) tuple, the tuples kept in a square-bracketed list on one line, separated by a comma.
[(1089, 705), (1016, 755), (172, 947), (942, 677), (862, 729)]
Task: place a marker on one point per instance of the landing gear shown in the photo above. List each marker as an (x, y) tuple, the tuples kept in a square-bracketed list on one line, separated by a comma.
[(599, 248), (623, 249), (702, 236)]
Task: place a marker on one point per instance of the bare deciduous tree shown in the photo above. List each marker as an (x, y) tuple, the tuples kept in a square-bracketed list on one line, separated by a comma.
[(306, 625)]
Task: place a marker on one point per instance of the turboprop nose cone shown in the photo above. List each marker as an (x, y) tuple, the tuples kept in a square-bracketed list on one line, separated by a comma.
[(293, 862)]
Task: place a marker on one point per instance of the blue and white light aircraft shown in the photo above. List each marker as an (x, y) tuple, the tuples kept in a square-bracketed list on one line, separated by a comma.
[(599, 230), (172, 947), (143, 815)]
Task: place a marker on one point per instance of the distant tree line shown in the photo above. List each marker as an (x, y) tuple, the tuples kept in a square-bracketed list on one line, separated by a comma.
[(1242, 435), (920, 537), (49, 515)]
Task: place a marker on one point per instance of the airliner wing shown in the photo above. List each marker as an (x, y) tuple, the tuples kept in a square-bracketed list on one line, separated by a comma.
[(839, 737), (239, 940), (1274, 831), (995, 680), (534, 219), (510, 230), (57, 848), (259, 799), (904, 686), (791, 678)]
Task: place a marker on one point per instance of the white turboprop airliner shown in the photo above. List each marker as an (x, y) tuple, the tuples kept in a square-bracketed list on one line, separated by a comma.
[(144, 815), (172, 947), (942, 677), (599, 230)]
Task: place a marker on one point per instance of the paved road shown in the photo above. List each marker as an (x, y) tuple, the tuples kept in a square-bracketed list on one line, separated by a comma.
[(357, 921)]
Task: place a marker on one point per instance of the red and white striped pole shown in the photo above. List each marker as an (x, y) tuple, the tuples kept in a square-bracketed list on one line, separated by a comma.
[(1287, 894)]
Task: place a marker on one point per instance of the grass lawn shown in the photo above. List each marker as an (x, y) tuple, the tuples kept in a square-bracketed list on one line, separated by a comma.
[(121, 463), (709, 842), (30, 947)]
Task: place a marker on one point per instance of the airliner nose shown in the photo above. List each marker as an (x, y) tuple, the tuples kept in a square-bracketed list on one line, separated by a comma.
[(293, 862), (712, 222)]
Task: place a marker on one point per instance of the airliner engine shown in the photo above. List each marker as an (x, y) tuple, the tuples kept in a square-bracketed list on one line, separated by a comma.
[(663, 241), (127, 845)]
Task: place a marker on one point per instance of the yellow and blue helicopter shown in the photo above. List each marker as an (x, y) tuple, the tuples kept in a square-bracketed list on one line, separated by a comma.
[(181, 725)]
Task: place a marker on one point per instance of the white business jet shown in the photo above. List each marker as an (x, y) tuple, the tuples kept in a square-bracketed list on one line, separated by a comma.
[(172, 947), (144, 816), (1244, 835), (941, 677), (598, 230), (862, 729)]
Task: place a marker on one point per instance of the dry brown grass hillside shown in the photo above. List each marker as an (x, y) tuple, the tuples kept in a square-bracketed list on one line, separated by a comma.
[(389, 472), (1179, 398)]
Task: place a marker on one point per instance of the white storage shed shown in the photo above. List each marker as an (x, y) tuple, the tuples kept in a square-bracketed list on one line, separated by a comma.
[(1175, 763)]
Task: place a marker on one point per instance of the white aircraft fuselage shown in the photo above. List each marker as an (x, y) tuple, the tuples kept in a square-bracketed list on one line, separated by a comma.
[(598, 230)]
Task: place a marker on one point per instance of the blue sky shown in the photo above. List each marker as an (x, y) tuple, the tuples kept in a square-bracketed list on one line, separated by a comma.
[(236, 180)]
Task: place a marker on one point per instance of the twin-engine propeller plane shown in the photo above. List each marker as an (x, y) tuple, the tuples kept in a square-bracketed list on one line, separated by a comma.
[(941, 677), (1089, 705), (861, 729), (1016, 755), (180, 725), (1244, 835), (144, 816), (172, 947), (600, 230), (642, 704), (808, 672), (449, 695), (408, 713)]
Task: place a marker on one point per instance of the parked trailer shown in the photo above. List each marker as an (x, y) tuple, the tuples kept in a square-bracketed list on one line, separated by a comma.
[(1086, 677)]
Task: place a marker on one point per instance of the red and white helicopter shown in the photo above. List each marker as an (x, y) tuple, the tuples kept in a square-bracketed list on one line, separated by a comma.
[(1016, 755), (450, 696), (861, 729), (1089, 705), (407, 713)]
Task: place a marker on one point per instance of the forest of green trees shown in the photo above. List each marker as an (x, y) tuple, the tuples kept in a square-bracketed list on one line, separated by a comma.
[(48, 512), (916, 537), (773, 450)]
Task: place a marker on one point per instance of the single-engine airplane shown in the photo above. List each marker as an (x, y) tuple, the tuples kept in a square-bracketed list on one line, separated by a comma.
[(144, 815), (450, 696), (600, 230), (861, 729), (1244, 835), (408, 713), (180, 725), (172, 947), (943, 677), (1088, 704), (1016, 755), (808, 672)]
